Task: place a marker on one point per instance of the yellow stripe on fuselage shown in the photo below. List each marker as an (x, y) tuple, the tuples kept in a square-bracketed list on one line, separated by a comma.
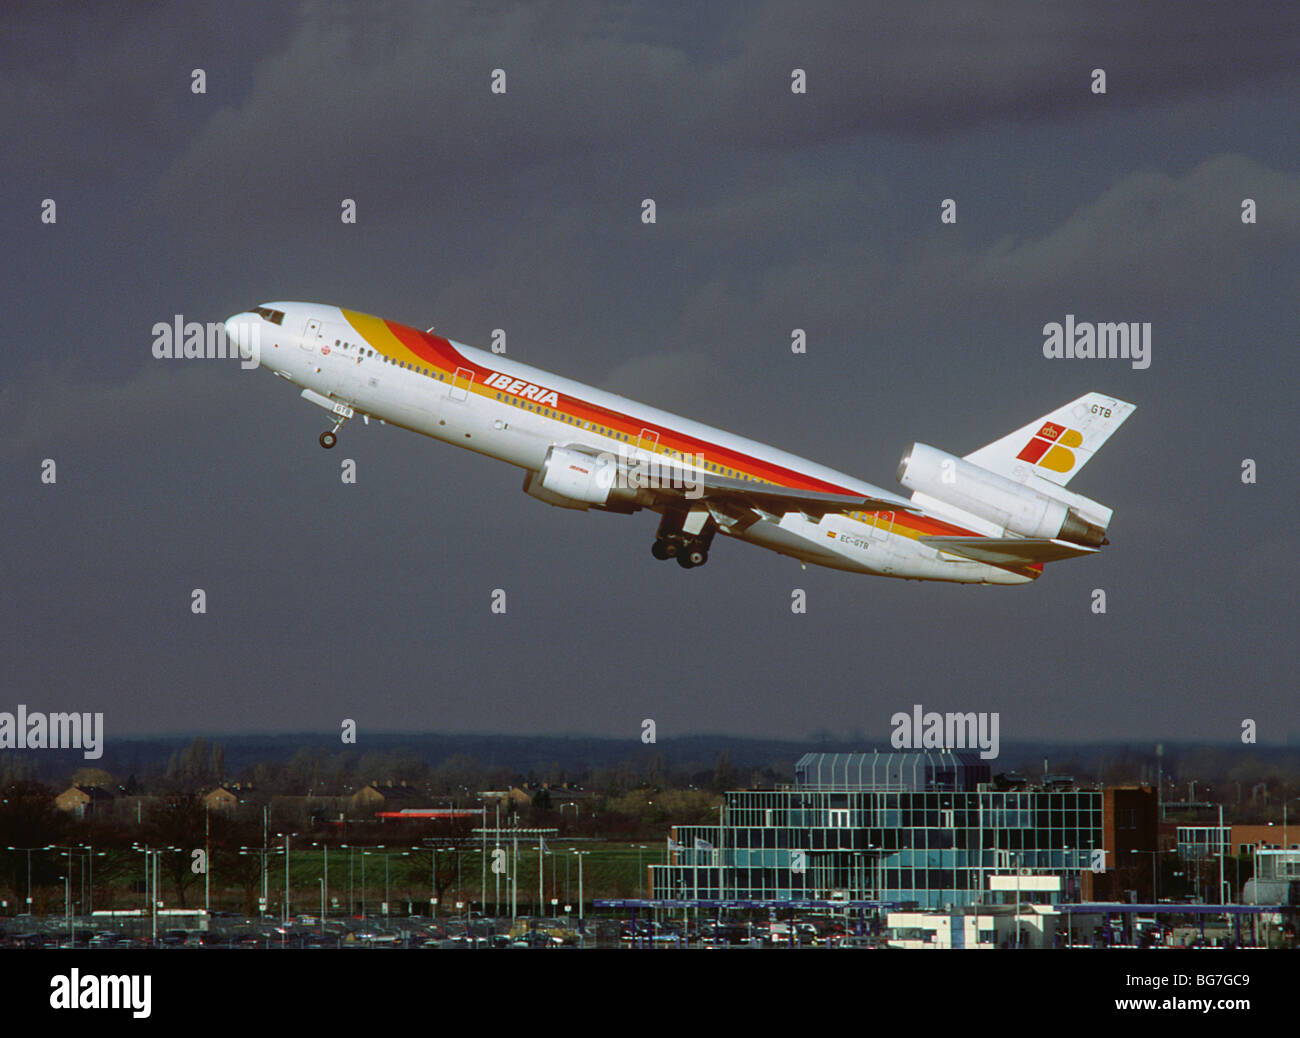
[(377, 334)]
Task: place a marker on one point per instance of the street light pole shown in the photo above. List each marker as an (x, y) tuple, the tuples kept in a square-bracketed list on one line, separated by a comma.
[(1017, 901), (351, 904), (67, 892), (286, 877), (29, 850), (581, 855), (1220, 841), (266, 882)]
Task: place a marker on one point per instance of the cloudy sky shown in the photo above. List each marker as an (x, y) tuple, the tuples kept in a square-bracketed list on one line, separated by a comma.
[(521, 211)]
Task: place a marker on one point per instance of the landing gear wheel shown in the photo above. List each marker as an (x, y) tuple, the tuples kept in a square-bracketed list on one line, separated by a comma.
[(328, 439), (697, 557), (685, 561), (660, 551)]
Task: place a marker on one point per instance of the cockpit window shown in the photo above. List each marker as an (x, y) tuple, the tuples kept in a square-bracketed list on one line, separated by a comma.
[(274, 316)]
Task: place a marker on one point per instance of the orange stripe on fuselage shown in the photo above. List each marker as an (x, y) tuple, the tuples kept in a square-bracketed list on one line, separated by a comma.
[(401, 342)]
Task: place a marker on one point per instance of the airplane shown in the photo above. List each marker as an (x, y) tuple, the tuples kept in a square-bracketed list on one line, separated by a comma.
[(994, 516)]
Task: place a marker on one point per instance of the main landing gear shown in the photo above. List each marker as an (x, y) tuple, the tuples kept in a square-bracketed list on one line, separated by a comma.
[(684, 536)]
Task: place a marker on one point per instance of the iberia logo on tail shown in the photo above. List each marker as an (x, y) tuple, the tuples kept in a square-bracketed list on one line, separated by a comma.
[(1050, 447)]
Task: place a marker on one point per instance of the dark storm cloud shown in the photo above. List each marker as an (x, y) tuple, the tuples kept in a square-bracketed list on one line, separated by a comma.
[(371, 600), (400, 96), (48, 408), (364, 103), (1153, 241), (953, 65), (85, 84)]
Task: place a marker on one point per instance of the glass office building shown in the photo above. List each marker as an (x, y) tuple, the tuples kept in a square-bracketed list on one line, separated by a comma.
[(924, 827), (1204, 841)]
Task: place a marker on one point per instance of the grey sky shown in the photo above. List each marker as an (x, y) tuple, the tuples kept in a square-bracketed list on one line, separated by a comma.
[(521, 211)]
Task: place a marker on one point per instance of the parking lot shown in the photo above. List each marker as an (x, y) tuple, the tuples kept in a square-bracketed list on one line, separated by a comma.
[(307, 932)]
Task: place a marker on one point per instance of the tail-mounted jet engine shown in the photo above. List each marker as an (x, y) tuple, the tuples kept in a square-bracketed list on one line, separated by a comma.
[(1017, 509)]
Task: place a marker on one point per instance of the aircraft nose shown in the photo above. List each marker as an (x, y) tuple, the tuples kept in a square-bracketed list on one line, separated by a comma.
[(241, 332)]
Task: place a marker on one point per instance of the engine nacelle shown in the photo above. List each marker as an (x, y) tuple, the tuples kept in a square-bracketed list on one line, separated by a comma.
[(974, 489), (572, 479)]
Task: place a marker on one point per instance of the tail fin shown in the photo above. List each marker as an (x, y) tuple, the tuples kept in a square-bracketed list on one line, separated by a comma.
[(1059, 444)]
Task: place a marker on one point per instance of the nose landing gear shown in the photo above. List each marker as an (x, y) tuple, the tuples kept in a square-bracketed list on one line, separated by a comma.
[(331, 436)]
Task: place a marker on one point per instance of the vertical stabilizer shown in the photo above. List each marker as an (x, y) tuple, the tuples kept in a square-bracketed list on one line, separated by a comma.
[(1057, 445)]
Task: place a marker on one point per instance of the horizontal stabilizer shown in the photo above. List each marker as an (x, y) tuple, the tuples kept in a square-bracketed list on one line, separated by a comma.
[(1009, 551)]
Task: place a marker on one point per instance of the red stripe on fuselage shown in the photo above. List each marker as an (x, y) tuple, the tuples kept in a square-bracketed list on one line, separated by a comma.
[(440, 353)]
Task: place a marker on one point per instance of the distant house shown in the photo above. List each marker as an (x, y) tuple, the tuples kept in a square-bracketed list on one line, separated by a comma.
[(387, 797), (226, 798), (81, 801), (507, 797), (566, 794)]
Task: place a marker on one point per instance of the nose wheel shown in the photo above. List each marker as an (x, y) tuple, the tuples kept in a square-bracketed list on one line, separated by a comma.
[(331, 436)]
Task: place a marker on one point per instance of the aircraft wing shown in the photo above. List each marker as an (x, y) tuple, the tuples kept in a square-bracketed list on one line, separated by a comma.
[(779, 500), (1003, 551), (737, 495)]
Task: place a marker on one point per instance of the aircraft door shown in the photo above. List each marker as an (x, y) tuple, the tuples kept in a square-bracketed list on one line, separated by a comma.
[(881, 528), (460, 384), (882, 525), (310, 334), (345, 369)]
